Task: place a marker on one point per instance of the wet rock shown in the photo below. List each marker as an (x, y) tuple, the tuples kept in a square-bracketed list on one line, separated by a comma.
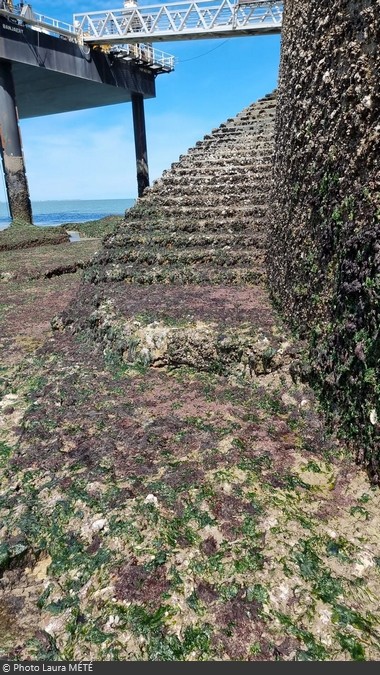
[(11, 554), (323, 265)]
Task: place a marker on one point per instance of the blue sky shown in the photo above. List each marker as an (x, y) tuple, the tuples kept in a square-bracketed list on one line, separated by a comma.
[(90, 154)]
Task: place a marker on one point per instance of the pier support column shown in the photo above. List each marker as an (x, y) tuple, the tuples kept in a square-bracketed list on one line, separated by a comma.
[(11, 149), (140, 143)]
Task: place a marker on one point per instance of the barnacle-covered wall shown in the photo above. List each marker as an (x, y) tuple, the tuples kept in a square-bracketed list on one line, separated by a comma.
[(324, 247)]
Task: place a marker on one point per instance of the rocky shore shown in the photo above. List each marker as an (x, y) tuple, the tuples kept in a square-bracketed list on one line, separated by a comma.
[(169, 490)]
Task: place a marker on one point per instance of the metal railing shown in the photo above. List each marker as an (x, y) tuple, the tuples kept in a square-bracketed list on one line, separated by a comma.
[(23, 14), (145, 55), (181, 21)]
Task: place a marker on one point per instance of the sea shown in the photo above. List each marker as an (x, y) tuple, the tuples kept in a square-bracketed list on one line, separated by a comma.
[(56, 212)]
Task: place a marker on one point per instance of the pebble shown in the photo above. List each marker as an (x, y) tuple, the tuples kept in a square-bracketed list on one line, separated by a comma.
[(151, 499), (99, 525)]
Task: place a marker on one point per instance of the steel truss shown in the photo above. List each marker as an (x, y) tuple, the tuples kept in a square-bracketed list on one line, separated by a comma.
[(181, 21)]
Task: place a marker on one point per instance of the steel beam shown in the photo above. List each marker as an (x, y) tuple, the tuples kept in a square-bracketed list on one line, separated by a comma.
[(11, 149), (140, 143)]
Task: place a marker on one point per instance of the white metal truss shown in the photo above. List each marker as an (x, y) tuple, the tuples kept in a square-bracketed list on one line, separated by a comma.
[(181, 21)]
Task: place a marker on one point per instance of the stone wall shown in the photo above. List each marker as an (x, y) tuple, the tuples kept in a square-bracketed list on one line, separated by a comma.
[(324, 248)]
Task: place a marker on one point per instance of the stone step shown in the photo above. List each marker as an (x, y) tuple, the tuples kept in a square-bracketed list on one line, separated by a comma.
[(250, 183), (224, 175), (254, 144), (174, 275), (250, 117), (185, 257), (235, 136), (243, 129), (210, 190), (195, 196), (246, 118), (259, 129), (251, 149), (254, 127), (179, 240), (206, 213), (187, 225), (216, 168), (239, 155), (214, 163), (235, 145), (227, 174), (245, 121), (201, 197)]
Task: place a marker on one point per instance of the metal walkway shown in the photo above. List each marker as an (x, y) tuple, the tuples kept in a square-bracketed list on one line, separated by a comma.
[(181, 21)]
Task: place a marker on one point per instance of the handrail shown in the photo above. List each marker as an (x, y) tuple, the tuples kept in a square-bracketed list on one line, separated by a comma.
[(181, 20), (41, 22), (144, 54)]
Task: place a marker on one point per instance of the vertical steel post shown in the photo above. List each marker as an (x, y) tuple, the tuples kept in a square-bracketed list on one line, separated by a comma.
[(11, 149), (140, 143)]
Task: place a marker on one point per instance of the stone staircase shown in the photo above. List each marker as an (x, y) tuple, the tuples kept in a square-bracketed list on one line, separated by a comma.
[(204, 220), (179, 282)]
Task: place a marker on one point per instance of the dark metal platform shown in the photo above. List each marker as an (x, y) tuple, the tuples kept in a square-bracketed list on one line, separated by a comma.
[(53, 74)]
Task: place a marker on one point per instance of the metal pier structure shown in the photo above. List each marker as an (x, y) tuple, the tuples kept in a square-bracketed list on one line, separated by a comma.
[(181, 21), (102, 58), (46, 68)]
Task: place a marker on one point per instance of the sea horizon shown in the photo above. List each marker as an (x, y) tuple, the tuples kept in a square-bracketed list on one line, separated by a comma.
[(54, 212)]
